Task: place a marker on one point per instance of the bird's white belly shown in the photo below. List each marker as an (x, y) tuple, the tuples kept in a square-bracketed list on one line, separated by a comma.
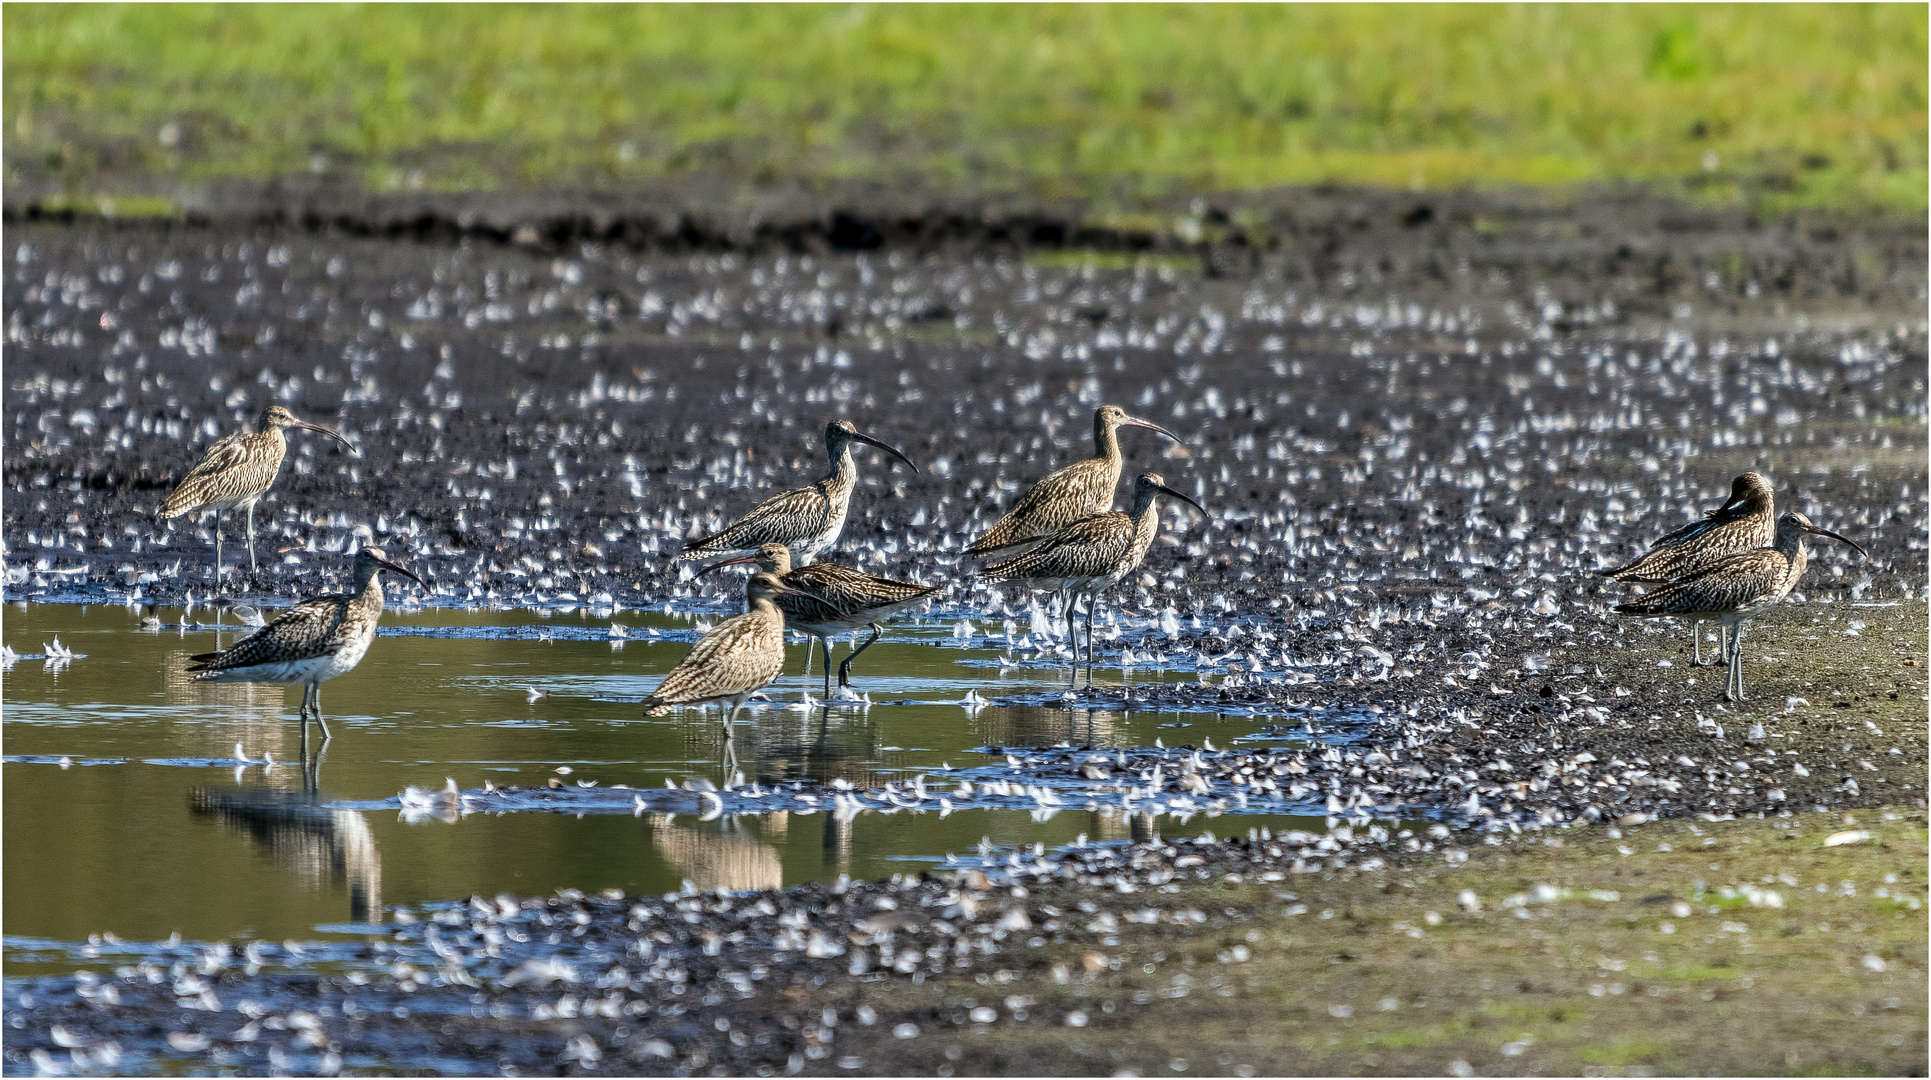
[(828, 627), (308, 669), (311, 669), (223, 506)]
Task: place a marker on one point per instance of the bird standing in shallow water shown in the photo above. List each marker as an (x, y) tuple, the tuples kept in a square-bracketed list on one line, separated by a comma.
[(832, 600), (236, 472), (732, 662), (1090, 556), (1737, 587), (807, 520), (310, 643), (1079, 490), (1747, 520)]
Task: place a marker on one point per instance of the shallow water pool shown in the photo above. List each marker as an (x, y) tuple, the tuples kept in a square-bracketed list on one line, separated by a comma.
[(130, 814)]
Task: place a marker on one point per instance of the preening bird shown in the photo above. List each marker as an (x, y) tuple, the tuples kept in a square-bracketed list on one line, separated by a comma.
[(1736, 587), (1746, 520)]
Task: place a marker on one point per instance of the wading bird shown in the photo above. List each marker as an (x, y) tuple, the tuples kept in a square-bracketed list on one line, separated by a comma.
[(807, 520), (1090, 556), (236, 472), (832, 600), (1080, 490), (1747, 520), (1738, 586), (732, 662), (310, 643)]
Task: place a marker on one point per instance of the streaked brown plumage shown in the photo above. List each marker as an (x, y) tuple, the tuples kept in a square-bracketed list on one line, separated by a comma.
[(312, 642), (732, 662), (1079, 490), (236, 472), (1090, 556), (807, 520), (1747, 520), (832, 600), (1736, 587)]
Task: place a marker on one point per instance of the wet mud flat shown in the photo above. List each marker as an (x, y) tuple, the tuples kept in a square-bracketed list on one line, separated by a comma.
[(1415, 440), (1831, 724), (1625, 951)]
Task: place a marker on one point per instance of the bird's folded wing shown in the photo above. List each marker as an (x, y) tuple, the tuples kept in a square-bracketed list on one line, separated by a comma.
[(775, 520), (1735, 581), (302, 628)]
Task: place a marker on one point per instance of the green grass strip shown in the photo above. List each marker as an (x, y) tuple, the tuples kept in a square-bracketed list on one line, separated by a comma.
[(1775, 105)]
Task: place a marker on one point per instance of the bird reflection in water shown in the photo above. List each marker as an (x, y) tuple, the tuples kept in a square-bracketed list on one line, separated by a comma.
[(324, 848), (1139, 827), (1026, 726), (780, 745), (721, 854)]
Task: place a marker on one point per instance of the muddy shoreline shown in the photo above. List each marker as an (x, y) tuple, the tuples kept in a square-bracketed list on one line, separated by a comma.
[(1417, 434), (918, 971)]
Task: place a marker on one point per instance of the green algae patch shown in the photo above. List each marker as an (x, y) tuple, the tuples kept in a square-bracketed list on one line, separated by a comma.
[(1745, 947)]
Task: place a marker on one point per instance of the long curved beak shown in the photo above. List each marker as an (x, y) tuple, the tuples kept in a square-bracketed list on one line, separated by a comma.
[(404, 573), (892, 450), (1134, 421), (1834, 536), (1183, 498), (319, 429), (740, 560)]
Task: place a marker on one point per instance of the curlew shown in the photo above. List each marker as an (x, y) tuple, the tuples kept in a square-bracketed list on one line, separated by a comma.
[(732, 662), (832, 600), (236, 472), (807, 520), (1078, 491), (310, 643), (1736, 587), (1090, 556), (1747, 520)]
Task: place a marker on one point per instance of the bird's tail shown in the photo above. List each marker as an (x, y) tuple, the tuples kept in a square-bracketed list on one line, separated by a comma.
[(653, 707)]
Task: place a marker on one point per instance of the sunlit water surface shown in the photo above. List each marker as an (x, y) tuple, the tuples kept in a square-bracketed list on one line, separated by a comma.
[(148, 828)]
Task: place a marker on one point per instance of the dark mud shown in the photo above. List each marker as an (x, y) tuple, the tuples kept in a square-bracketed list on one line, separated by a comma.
[(1413, 455), (1416, 437)]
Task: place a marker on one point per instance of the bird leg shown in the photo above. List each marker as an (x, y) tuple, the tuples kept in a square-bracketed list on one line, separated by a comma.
[(252, 569), (315, 692), (828, 642), (217, 547), (304, 720), (811, 643), (845, 669), (730, 746), (1696, 644), (1072, 635), (1733, 687), (1092, 603)]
